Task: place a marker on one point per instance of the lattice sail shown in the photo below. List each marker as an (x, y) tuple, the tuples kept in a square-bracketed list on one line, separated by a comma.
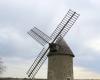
[(64, 26), (39, 36), (38, 63)]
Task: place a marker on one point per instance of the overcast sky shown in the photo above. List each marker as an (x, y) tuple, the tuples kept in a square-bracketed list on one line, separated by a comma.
[(18, 49)]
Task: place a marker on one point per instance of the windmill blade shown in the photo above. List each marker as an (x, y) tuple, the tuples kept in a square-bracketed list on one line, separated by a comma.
[(64, 26), (36, 60), (38, 63), (39, 36)]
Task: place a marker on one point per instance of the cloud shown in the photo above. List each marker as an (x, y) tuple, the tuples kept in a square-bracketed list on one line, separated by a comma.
[(94, 44), (16, 44), (95, 3), (83, 73), (79, 4), (17, 68), (16, 71)]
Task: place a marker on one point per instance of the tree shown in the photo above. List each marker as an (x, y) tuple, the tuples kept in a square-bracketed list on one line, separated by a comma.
[(2, 67)]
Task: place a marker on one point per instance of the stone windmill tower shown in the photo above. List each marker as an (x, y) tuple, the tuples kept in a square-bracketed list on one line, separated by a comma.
[(60, 62), (60, 57)]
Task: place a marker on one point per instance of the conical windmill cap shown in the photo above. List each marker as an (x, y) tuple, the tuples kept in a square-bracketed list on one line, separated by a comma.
[(63, 49)]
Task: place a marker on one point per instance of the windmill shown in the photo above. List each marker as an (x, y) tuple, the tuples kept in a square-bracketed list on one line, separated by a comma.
[(61, 30)]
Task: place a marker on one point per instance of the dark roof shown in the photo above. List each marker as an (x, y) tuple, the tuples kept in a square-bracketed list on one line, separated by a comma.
[(63, 49)]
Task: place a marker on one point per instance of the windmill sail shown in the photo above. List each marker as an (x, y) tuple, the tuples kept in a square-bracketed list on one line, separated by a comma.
[(39, 36), (38, 63), (64, 26)]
